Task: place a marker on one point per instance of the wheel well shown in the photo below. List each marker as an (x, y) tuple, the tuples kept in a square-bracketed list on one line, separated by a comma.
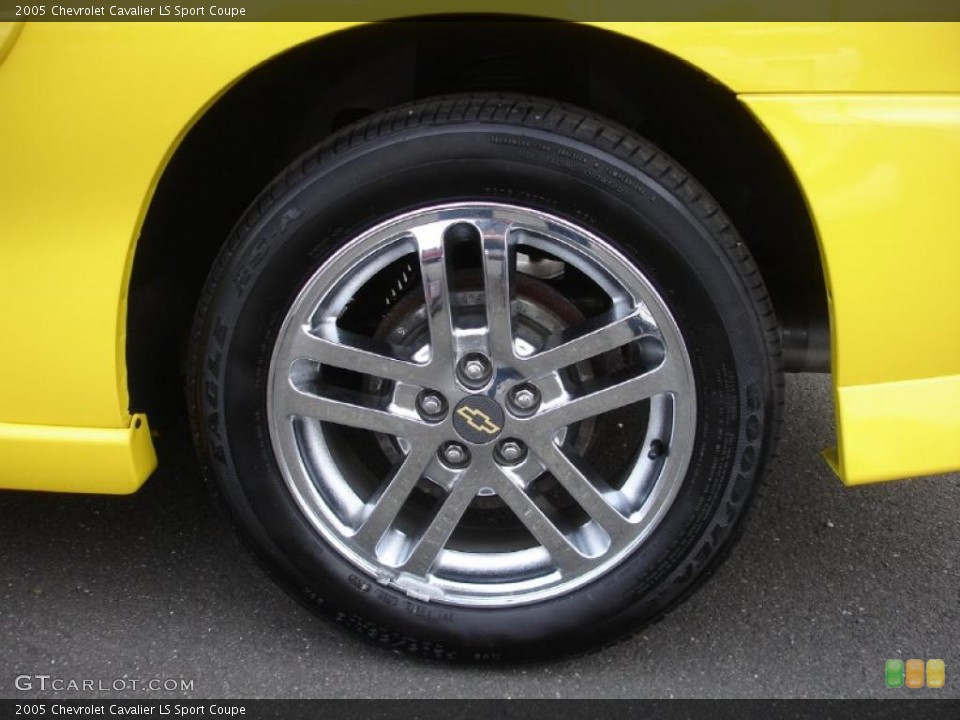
[(284, 107)]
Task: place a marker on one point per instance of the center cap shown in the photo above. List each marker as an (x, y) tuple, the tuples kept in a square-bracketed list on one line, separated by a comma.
[(478, 419)]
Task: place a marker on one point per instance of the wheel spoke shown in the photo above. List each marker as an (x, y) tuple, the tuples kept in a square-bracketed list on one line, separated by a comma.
[(599, 505), (442, 526), (609, 397), (566, 557), (436, 292), (498, 271), (383, 509), (344, 409), (333, 346), (601, 335)]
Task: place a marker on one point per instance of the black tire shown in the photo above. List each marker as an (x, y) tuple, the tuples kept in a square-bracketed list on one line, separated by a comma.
[(528, 152)]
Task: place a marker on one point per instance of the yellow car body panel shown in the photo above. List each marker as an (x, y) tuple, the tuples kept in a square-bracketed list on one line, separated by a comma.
[(71, 459), (8, 36), (866, 114), (882, 174)]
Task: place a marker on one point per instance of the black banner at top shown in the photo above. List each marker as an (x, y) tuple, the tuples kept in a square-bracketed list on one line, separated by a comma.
[(375, 10)]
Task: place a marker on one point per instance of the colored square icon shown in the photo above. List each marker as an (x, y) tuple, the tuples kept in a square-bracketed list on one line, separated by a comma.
[(914, 673), (936, 674), (893, 673)]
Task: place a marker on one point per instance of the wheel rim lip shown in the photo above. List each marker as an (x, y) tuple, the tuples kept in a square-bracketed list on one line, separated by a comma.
[(384, 240)]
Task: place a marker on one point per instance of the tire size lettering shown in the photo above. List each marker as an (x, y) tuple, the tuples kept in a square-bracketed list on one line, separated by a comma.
[(428, 612)]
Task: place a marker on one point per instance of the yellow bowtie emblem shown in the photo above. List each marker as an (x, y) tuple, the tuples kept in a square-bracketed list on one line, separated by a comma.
[(478, 420)]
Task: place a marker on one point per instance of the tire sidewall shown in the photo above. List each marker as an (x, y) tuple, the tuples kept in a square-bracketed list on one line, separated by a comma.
[(296, 227)]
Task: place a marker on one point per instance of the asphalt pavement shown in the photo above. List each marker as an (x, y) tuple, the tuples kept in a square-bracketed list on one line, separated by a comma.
[(827, 583)]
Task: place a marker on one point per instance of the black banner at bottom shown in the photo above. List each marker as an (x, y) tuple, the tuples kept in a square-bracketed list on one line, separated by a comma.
[(925, 709)]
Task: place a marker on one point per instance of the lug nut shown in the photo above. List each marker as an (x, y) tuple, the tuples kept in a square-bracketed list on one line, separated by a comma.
[(511, 452), (474, 369), (454, 454), (525, 398), (431, 405)]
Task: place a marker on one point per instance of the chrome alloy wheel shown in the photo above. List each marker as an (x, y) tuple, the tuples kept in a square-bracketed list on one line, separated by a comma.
[(458, 453)]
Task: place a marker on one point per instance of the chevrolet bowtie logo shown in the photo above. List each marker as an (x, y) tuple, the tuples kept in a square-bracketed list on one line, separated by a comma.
[(478, 420)]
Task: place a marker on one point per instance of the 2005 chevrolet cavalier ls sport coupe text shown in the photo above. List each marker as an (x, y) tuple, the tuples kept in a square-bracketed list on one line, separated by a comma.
[(482, 325)]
